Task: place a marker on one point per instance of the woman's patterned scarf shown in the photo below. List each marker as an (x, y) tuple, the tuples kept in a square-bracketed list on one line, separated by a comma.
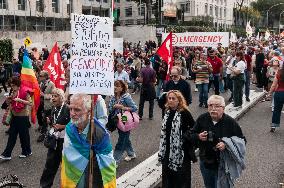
[(176, 152)]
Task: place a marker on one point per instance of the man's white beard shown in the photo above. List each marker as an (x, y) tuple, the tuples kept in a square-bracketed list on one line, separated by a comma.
[(79, 121)]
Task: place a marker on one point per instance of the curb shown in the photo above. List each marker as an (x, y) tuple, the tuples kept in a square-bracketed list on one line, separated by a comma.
[(148, 174)]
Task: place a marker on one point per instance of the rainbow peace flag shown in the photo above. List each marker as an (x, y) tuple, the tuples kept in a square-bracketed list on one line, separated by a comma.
[(76, 154), (30, 83)]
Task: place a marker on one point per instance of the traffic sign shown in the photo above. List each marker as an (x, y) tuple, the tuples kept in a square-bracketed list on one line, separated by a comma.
[(28, 41)]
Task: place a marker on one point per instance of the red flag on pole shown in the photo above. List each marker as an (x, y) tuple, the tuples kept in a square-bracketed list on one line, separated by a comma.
[(55, 68), (165, 51)]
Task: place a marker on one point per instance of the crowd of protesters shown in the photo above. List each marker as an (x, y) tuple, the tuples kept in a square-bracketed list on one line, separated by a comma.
[(140, 70)]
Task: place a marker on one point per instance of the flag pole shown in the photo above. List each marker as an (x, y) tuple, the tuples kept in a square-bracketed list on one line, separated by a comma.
[(92, 131)]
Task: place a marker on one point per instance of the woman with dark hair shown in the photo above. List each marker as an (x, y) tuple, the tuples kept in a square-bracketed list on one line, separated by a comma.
[(175, 152), (122, 101), (238, 78), (278, 89), (20, 101)]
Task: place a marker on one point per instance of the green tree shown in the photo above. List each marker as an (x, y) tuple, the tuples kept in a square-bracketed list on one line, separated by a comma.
[(264, 5)]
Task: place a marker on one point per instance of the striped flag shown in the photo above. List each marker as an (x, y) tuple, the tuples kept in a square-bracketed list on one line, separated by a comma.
[(29, 83)]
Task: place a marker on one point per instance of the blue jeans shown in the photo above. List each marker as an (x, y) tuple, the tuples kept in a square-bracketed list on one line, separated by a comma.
[(247, 83), (215, 81), (203, 92), (123, 144), (278, 105), (210, 176)]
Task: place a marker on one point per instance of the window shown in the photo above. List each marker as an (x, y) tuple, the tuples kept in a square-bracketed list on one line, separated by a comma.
[(225, 13), (21, 5), (69, 6), (39, 5), (220, 12), (211, 10), (3, 4), (206, 9), (187, 7), (55, 6), (141, 10), (225, 2), (105, 1), (216, 11), (128, 12), (221, 2)]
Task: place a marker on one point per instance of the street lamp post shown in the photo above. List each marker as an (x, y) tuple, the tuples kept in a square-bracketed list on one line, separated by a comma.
[(267, 12), (280, 20)]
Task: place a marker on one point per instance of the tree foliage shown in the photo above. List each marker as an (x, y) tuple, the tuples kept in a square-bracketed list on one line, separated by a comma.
[(263, 5), (6, 50)]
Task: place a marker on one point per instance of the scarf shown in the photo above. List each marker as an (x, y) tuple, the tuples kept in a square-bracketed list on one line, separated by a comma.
[(176, 142), (76, 154)]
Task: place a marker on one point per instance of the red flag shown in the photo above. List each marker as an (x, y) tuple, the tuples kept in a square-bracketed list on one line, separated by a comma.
[(166, 53), (55, 68)]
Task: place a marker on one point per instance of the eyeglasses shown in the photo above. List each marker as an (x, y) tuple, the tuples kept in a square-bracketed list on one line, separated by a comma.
[(215, 106), (174, 76)]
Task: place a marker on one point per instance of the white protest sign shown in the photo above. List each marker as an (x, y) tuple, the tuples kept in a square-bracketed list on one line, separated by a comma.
[(118, 45), (91, 65), (205, 39)]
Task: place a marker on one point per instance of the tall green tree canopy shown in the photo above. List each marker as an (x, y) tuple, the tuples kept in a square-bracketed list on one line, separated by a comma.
[(263, 5)]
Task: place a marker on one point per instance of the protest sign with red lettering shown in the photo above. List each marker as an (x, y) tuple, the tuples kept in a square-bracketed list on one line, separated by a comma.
[(205, 39), (55, 68), (91, 65)]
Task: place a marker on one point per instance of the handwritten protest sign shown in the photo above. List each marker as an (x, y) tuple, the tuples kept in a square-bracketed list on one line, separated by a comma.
[(118, 45), (91, 65), (205, 39)]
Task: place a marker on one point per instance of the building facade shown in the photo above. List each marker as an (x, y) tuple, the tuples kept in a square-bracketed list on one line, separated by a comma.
[(220, 11)]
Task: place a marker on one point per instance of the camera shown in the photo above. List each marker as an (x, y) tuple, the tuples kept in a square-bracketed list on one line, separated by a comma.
[(210, 136)]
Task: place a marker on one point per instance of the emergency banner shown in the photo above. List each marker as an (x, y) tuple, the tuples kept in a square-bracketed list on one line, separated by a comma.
[(205, 39)]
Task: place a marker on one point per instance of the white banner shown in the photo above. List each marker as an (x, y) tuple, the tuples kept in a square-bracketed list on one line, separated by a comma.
[(205, 39), (91, 65), (118, 45)]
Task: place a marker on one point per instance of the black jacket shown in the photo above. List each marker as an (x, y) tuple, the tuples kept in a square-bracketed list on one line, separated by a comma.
[(226, 127), (183, 86)]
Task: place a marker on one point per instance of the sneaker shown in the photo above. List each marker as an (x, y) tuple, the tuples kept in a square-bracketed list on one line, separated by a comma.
[(5, 158), (247, 99), (272, 129), (195, 89), (40, 138), (129, 158), (24, 156)]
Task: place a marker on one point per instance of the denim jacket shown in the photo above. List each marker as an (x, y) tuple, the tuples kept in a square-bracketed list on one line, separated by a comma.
[(126, 100)]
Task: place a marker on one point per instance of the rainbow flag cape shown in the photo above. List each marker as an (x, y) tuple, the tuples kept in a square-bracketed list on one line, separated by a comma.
[(76, 154), (30, 83)]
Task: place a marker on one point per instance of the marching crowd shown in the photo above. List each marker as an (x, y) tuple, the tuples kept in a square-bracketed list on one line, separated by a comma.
[(64, 119)]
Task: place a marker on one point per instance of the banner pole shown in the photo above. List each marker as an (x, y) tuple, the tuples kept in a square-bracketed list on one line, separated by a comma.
[(92, 131)]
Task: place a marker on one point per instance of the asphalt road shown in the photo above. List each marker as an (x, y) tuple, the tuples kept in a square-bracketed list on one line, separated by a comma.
[(265, 157)]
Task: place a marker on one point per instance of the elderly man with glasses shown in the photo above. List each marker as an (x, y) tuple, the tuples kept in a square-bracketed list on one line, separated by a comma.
[(209, 133), (176, 83)]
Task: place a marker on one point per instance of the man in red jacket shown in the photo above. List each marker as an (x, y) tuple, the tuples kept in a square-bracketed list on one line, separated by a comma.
[(217, 66)]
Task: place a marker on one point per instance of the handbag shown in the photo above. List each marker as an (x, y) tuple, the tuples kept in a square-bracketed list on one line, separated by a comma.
[(127, 121), (112, 122), (50, 141), (6, 120)]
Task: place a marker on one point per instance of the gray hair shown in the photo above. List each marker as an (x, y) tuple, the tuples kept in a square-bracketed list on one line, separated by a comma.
[(87, 100), (60, 93), (178, 69), (217, 97)]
